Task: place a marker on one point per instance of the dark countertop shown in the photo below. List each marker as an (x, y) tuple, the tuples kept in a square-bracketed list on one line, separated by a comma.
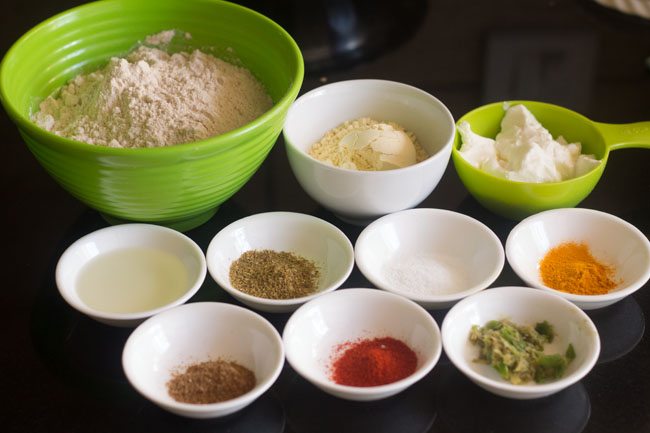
[(61, 371)]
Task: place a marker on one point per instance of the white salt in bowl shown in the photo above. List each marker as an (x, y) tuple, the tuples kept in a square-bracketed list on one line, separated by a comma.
[(305, 235), (611, 240), (198, 332), (523, 306), (361, 196), (314, 331), (115, 239), (434, 257)]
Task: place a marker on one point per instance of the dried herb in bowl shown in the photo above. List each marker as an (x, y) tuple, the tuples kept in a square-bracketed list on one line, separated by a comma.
[(274, 274)]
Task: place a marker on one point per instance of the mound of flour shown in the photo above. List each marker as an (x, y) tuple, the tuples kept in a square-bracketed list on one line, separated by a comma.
[(152, 99)]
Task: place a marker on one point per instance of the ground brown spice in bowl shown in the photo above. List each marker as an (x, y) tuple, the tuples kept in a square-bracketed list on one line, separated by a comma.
[(211, 382)]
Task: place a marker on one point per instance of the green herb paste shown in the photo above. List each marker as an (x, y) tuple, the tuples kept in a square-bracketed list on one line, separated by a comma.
[(517, 352)]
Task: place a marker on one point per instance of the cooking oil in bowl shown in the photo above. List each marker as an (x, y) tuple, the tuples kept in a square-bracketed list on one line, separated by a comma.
[(131, 280)]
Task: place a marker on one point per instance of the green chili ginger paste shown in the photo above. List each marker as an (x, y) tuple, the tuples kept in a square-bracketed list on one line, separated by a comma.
[(517, 352)]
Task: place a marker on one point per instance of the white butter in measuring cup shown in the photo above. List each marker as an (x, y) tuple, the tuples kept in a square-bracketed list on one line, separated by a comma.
[(524, 151)]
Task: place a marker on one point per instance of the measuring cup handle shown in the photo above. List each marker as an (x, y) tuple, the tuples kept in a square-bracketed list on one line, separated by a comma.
[(619, 136)]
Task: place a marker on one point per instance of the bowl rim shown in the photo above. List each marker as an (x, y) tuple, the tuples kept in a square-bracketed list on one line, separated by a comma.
[(54, 140), (443, 152), (368, 391), (155, 230), (458, 157), (435, 213), (526, 389), (242, 400), (335, 232), (586, 299)]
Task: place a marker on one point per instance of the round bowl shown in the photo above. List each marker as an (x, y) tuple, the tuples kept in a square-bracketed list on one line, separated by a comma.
[(199, 332), (304, 235), (611, 240), (178, 250), (523, 306), (517, 200), (434, 257), (315, 330), (180, 186), (359, 196)]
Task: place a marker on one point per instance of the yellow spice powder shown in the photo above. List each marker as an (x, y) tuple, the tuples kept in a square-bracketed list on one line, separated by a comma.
[(570, 267)]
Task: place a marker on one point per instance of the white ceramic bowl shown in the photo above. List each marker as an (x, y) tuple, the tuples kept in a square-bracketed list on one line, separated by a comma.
[(122, 237), (359, 196), (522, 305), (315, 329), (610, 239), (305, 235), (198, 332), (434, 257)]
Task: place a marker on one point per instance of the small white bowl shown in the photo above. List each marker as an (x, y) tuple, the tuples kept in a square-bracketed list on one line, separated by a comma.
[(198, 332), (359, 196), (523, 306), (318, 327), (610, 239), (304, 235), (405, 251), (122, 237)]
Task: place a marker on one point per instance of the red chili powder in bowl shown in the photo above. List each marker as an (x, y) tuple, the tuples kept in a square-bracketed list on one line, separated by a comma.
[(372, 362)]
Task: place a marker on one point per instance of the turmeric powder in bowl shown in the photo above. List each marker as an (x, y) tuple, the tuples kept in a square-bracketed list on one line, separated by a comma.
[(570, 267), (589, 257)]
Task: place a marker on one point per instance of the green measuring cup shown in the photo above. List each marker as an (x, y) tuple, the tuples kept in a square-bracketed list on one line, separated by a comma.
[(517, 200)]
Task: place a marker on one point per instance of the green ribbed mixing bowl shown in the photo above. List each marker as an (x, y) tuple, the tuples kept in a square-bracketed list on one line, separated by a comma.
[(179, 186)]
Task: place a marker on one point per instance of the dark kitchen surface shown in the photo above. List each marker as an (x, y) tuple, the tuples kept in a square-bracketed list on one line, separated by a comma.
[(61, 371)]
